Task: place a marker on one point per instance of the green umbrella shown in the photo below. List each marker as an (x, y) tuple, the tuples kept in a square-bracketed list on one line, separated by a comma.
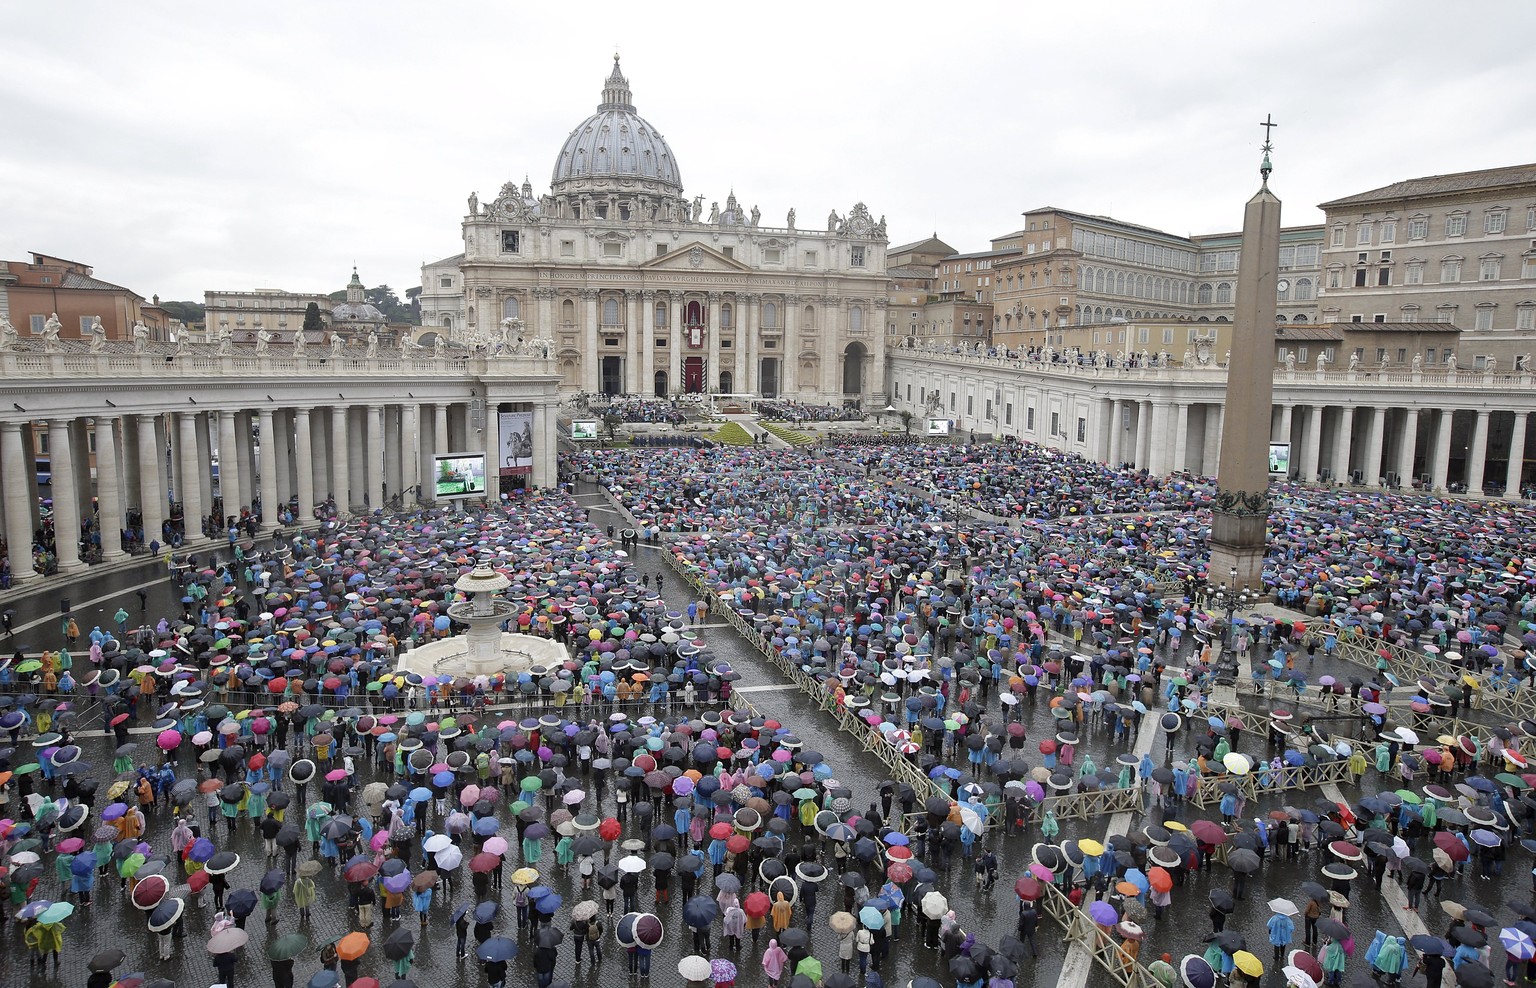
[(31, 665), (532, 783), (130, 865), (26, 769), (1511, 780), (287, 947), (1409, 796)]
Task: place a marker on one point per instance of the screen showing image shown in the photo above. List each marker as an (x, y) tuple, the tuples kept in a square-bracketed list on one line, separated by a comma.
[(938, 427), (584, 429), (459, 474), (1280, 459)]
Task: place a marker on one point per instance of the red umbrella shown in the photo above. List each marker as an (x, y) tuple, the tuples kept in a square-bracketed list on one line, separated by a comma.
[(1160, 880), (610, 829), (1209, 831), (361, 872), (484, 862), (1028, 888), (898, 872), (1452, 845), (756, 905), (197, 881), (737, 844)]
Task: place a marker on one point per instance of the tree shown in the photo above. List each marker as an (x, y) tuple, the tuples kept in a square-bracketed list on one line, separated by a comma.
[(611, 423), (189, 313), (906, 421), (312, 323)]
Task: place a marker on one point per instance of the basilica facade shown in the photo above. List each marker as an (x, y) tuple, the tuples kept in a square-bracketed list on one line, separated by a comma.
[(645, 291)]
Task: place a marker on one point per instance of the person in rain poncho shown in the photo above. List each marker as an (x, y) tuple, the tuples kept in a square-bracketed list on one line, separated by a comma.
[(1282, 930), (1333, 961), (1049, 828), (774, 960), (1391, 958), (1162, 970)]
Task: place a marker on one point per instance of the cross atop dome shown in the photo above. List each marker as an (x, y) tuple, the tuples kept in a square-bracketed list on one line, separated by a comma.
[(616, 94)]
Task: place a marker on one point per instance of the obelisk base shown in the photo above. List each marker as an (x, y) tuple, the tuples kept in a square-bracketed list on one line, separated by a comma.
[(1237, 543)]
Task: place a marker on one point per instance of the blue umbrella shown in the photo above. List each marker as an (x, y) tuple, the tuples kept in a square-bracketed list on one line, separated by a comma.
[(486, 911), (872, 918), (538, 892), (700, 911), (497, 949), (485, 826), (548, 905), (421, 794)]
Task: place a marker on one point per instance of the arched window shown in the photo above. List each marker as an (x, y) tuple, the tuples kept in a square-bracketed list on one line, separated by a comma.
[(610, 312), (660, 317), (1303, 289), (447, 322), (725, 316), (1120, 283), (568, 313), (1298, 317), (1205, 294), (1284, 294), (1098, 280), (770, 315), (856, 319), (511, 308), (808, 319), (1224, 293)]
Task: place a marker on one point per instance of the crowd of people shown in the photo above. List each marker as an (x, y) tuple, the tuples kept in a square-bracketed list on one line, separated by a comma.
[(785, 410)]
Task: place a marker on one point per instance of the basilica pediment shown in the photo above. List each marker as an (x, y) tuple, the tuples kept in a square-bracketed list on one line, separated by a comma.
[(695, 257)]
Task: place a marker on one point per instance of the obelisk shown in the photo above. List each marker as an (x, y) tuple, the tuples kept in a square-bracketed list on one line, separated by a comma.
[(1239, 529)]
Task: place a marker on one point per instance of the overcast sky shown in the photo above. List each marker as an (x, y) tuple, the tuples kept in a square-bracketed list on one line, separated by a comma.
[(180, 147)]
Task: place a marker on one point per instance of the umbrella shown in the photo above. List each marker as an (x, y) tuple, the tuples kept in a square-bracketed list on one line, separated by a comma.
[(1517, 943), (166, 914), (222, 863), (842, 923), (1196, 972), (934, 905), (694, 968), (352, 946), (231, 939), (638, 929), (497, 949), (287, 947), (399, 944), (700, 911), (106, 960)]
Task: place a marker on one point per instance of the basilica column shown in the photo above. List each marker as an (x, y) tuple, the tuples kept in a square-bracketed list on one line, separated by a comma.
[(14, 467), (632, 343), (151, 494), (1515, 472), (1441, 464), (1477, 455), (303, 465), (647, 343), (789, 374), (109, 490), (831, 369), (743, 338), (1311, 442), (1372, 467), (591, 360), (1181, 439), (267, 468), (750, 324), (1407, 446), (410, 457), (193, 508), (1343, 437), (229, 465), (341, 479), (712, 377), (674, 343)]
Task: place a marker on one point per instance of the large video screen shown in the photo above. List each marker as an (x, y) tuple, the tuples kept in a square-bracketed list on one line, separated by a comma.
[(937, 427), (1279, 459), (459, 475), (584, 429)]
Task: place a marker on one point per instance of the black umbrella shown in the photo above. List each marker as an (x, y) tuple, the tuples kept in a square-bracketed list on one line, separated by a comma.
[(1329, 927), (241, 903), (1222, 900), (549, 936), (793, 937), (1244, 862), (963, 968), (399, 944)]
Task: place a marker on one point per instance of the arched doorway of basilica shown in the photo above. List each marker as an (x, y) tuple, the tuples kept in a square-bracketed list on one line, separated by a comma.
[(613, 375), (726, 380), (661, 384), (853, 368), (768, 377)]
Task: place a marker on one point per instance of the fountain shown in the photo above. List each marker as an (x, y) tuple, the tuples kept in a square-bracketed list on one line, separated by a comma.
[(483, 650)]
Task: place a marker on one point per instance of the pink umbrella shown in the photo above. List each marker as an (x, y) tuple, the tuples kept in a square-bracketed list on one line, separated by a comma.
[(169, 740), (1041, 872), (496, 845), (336, 775), (379, 840), (470, 796)]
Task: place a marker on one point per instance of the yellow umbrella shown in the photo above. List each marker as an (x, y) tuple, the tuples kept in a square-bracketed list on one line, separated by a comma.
[(1174, 825), (525, 876), (1248, 964), (1090, 847)]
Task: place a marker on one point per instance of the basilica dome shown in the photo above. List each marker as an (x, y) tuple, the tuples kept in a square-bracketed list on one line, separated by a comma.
[(616, 144)]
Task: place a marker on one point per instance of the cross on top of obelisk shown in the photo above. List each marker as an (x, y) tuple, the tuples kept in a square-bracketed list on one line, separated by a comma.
[(1265, 167)]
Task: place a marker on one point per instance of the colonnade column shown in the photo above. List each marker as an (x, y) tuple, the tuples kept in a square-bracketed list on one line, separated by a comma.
[(631, 343), (229, 464), (1211, 455), (551, 444), (279, 452), (712, 378), (410, 457), (591, 362), (66, 496), (1407, 447), (373, 470), (341, 480), (1114, 431), (1181, 438), (267, 468), (1283, 434), (1478, 454), (540, 475), (1311, 442), (1441, 464), (394, 451), (1158, 447), (14, 464), (151, 494), (648, 343), (1343, 437), (303, 464), (1372, 467), (674, 343), (1516, 470), (193, 510), (109, 490), (247, 457), (490, 442), (1144, 430), (440, 430)]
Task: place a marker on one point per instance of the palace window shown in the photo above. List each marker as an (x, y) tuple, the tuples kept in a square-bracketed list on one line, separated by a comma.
[(1388, 232), (1338, 241), (1303, 289), (1224, 293), (1456, 225), (1525, 316), (1418, 228), (1414, 274), (1483, 321), (1494, 220), (1488, 268), (1450, 270)]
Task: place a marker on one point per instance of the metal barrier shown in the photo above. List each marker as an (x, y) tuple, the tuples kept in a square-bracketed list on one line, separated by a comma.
[(1105, 951), (1259, 781)]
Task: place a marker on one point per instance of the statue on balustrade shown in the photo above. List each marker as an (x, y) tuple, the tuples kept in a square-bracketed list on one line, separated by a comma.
[(1523, 363), (300, 342), (140, 336), (51, 332), (8, 334), (98, 335), (373, 343), (1418, 363), (1322, 360), (1491, 365), (226, 343), (183, 343), (263, 339), (1290, 361), (789, 221), (337, 343), (1354, 362), (406, 344), (1450, 363), (440, 346)]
